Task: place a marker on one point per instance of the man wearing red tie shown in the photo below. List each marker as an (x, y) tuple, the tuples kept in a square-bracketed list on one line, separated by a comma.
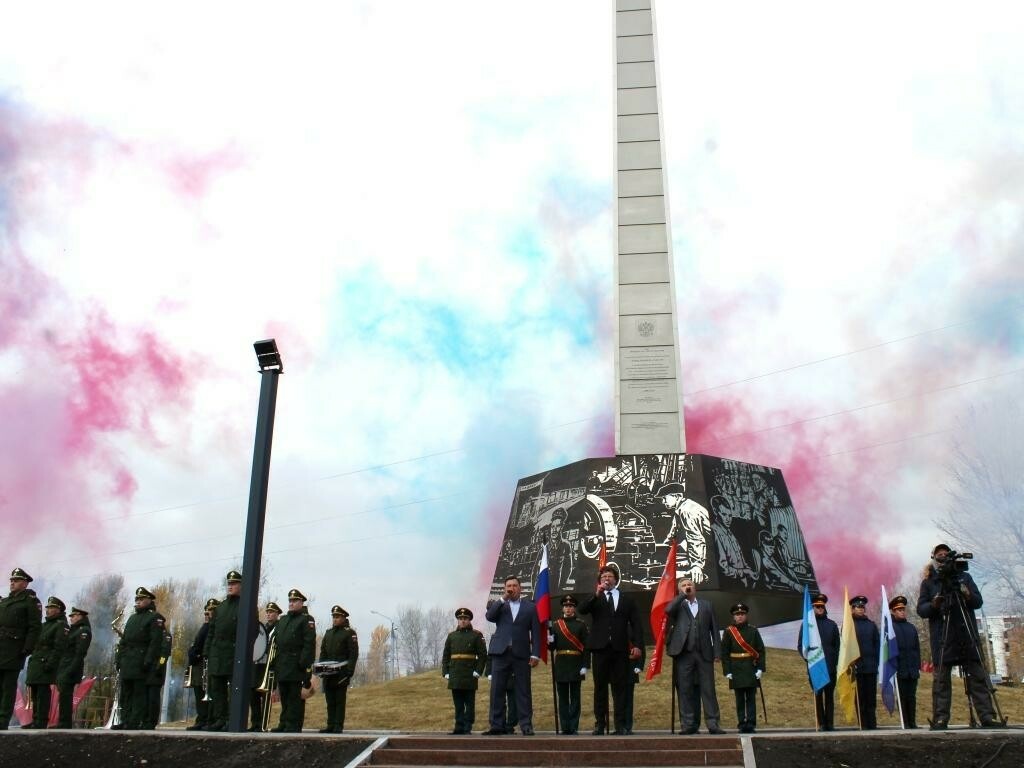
[(616, 637)]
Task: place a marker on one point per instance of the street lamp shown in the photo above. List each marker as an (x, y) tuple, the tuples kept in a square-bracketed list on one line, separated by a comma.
[(271, 367), (394, 644)]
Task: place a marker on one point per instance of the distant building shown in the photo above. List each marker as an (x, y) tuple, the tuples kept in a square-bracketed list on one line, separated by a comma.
[(1005, 636)]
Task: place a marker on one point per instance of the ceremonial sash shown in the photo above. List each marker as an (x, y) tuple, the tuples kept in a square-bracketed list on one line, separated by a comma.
[(743, 643), (567, 633)]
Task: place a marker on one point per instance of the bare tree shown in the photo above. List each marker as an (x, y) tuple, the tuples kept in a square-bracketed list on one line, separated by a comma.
[(986, 511), (437, 623), (412, 637), (103, 597)]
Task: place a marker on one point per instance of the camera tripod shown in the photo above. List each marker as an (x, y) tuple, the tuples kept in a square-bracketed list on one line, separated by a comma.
[(971, 662)]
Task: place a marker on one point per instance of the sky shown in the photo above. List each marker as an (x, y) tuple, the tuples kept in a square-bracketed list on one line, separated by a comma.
[(416, 201)]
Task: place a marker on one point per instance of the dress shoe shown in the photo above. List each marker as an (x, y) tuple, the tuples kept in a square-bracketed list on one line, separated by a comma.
[(715, 730), (689, 731), (527, 730), (456, 732), (992, 724), (619, 732), (597, 732), (29, 727), (196, 727), (493, 732), (939, 725), (279, 729), (215, 727), (326, 730)]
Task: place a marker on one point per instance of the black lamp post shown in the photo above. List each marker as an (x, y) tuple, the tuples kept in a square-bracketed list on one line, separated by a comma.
[(269, 360)]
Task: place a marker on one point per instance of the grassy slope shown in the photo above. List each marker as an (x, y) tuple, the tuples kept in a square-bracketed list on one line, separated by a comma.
[(423, 703)]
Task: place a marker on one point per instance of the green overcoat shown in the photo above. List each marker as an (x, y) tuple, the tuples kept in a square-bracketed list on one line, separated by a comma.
[(569, 657), (72, 662), (139, 648), (53, 639), (20, 624), (220, 639), (465, 652), (295, 638), (738, 661)]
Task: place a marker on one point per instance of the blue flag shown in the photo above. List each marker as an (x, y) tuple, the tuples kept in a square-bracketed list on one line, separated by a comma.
[(887, 657), (810, 647)]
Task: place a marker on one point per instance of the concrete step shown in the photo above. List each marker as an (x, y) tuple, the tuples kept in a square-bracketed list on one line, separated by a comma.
[(567, 751)]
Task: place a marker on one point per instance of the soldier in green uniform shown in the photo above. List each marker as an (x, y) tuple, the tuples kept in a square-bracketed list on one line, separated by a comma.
[(295, 635), (156, 677), (572, 659), (259, 700), (72, 665), (743, 665), (462, 663), (339, 644), (197, 665), (219, 650), (20, 617), (42, 666), (136, 655)]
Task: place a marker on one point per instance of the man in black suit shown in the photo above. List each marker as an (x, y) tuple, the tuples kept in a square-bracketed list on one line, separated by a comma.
[(514, 648), (616, 637), (695, 646)]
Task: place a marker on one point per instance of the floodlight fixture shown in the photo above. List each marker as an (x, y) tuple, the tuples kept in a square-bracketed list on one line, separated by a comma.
[(267, 356)]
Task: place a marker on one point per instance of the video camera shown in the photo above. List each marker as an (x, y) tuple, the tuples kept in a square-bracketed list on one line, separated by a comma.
[(954, 563)]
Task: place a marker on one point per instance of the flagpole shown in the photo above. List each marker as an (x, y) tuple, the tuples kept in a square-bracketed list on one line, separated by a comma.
[(672, 691)]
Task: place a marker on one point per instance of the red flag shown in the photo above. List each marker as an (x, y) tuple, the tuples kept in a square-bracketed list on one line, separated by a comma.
[(659, 621), (602, 559)]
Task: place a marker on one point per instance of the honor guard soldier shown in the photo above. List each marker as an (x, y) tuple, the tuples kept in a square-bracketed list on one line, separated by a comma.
[(158, 674), (197, 666), (72, 665), (462, 663), (571, 660), (260, 699), (220, 652), (743, 665), (908, 663), (828, 631), (340, 644), (869, 640), (295, 635), (137, 654), (20, 617), (42, 666)]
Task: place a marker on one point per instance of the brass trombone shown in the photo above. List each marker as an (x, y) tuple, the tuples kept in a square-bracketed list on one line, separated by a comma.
[(115, 710), (266, 686)]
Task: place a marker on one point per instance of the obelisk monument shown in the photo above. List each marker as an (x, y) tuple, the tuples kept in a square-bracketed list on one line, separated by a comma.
[(648, 391)]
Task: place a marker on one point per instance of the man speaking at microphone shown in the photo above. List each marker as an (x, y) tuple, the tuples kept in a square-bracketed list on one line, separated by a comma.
[(514, 648)]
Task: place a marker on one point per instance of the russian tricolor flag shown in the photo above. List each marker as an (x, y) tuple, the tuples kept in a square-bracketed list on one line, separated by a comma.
[(542, 598)]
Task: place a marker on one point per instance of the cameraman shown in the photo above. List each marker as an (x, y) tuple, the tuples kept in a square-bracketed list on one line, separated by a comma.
[(948, 600)]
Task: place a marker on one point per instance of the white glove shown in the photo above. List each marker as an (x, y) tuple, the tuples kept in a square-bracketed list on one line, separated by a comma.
[(475, 673), (729, 676), (488, 677), (583, 671), (758, 674), (636, 670), (446, 677)]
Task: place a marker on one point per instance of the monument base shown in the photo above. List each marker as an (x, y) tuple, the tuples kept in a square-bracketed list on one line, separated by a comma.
[(737, 532)]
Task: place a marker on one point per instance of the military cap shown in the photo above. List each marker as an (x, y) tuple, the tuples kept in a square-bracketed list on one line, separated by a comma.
[(78, 612), (935, 551), (143, 592), (898, 602), (273, 607), (858, 601), (233, 577), (569, 600), (464, 613), (21, 574), (212, 603), (56, 602), (739, 608), (819, 599), (337, 610), (294, 594)]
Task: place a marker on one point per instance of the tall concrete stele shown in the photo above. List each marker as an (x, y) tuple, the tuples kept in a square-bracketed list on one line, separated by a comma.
[(648, 391), (734, 523)]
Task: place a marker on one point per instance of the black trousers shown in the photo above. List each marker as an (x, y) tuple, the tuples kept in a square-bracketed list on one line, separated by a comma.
[(8, 687), (41, 698), (465, 709), (256, 702), (825, 707), (65, 704), (907, 687), (202, 707), (569, 706), (746, 709), (220, 688), (153, 705), (867, 700), (610, 668), (335, 695), (293, 706), (977, 690), (134, 704), (501, 665)]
